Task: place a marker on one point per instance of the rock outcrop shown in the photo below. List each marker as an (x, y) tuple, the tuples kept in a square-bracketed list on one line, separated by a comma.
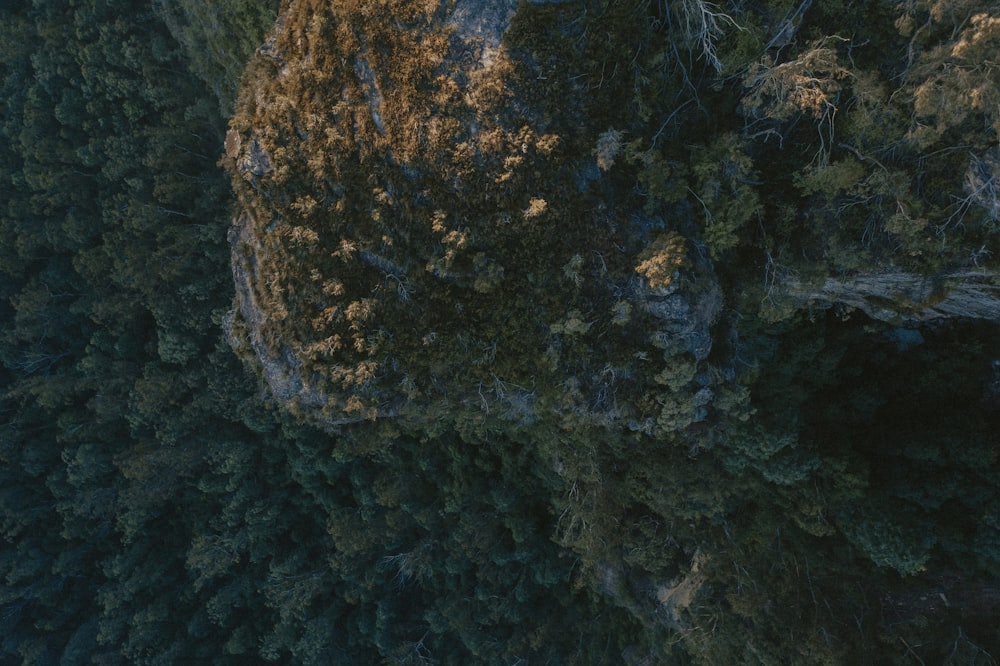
[(246, 327), (427, 230), (898, 297)]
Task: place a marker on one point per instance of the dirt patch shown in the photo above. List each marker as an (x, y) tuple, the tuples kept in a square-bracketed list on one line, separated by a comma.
[(681, 594)]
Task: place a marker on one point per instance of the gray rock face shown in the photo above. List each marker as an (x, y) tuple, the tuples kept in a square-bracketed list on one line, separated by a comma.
[(255, 161), (905, 298), (280, 368), (687, 313), (482, 24)]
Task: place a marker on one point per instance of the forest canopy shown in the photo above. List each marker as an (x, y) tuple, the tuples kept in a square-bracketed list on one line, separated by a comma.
[(579, 332)]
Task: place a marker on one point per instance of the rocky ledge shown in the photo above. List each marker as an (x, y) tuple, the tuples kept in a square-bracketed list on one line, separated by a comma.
[(897, 297)]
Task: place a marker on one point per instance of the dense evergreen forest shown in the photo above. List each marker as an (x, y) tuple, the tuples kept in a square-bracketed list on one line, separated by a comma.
[(818, 483)]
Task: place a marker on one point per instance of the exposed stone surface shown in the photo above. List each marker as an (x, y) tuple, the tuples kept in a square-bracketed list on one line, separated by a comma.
[(482, 24), (688, 311), (904, 298), (253, 160), (280, 368)]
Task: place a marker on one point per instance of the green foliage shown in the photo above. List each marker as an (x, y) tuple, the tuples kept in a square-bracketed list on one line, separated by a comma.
[(725, 178), (887, 544), (565, 482), (217, 39)]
